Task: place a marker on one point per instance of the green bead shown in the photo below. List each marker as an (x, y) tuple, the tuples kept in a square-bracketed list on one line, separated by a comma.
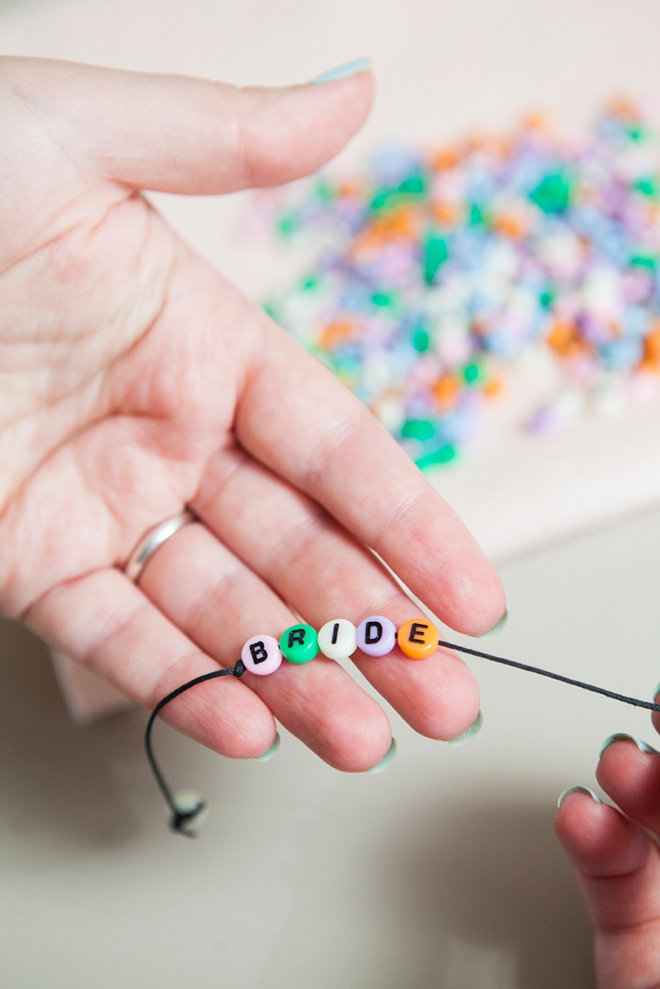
[(547, 298), (418, 429), (644, 259), (648, 187), (421, 341), (384, 300), (553, 193), (442, 456), (475, 372), (299, 644), (436, 253)]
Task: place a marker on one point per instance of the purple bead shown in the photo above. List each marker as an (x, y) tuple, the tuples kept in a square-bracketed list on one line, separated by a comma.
[(376, 636)]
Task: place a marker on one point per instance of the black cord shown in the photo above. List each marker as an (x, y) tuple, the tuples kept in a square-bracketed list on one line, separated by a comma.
[(553, 676), (181, 819)]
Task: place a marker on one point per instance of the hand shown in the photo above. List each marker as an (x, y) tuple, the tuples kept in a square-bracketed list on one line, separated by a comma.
[(136, 380), (618, 863)]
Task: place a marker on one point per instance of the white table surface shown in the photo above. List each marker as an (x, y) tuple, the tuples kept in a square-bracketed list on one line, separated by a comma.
[(443, 872)]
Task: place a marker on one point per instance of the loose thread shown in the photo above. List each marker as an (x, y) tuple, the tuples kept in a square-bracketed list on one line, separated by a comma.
[(552, 676), (180, 819)]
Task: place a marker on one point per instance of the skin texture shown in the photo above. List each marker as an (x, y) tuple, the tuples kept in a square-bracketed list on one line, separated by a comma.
[(134, 380), (618, 865)]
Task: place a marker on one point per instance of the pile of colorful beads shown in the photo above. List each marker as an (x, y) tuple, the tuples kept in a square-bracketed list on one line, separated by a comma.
[(435, 270), (339, 639)]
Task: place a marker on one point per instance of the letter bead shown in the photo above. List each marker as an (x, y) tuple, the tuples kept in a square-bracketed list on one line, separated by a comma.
[(261, 655), (338, 639), (418, 638), (376, 636), (299, 644)]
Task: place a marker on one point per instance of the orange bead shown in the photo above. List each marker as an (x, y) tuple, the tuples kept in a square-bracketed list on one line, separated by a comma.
[(418, 638)]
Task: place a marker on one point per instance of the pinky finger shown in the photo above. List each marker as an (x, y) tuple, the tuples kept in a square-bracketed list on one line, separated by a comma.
[(106, 623)]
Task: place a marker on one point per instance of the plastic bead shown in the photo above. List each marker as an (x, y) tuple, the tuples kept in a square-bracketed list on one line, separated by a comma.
[(376, 636), (338, 639), (299, 644), (418, 638), (261, 655)]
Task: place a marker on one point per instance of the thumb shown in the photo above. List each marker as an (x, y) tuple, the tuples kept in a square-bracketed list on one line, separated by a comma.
[(181, 134)]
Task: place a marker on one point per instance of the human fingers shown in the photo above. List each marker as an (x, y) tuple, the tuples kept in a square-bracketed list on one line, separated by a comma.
[(106, 623), (324, 573), (186, 135), (618, 867), (219, 604), (629, 771), (299, 421)]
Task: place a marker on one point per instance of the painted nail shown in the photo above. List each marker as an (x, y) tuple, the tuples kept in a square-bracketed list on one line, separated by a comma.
[(497, 627), (270, 751), (469, 733), (621, 736), (384, 762), (656, 691), (342, 72), (576, 789)]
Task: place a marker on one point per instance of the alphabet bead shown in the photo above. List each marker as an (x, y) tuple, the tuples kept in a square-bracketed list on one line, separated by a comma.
[(338, 639), (261, 655), (299, 644), (418, 638), (376, 636)]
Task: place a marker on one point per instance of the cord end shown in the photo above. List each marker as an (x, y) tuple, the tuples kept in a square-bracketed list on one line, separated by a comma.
[(189, 814)]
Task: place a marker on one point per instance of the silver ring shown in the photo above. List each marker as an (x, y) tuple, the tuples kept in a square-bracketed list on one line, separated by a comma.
[(149, 543)]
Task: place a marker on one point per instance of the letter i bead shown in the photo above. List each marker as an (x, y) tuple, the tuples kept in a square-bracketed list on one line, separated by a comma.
[(337, 639), (376, 636), (261, 655)]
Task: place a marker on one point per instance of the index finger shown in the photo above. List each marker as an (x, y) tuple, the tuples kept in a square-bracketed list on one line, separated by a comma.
[(298, 420)]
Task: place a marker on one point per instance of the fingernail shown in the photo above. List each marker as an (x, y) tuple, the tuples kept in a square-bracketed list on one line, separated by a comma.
[(469, 733), (575, 789), (342, 72), (656, 691), (384, 762), (270, 751), (621, 736), (497, 627)]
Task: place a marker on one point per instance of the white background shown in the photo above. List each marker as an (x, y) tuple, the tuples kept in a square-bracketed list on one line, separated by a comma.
[(442, 873)]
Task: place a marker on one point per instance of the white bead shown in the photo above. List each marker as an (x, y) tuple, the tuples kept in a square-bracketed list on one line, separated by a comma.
[(338, 639)]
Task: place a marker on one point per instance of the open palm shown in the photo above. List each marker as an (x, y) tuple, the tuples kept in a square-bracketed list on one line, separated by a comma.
[(134, 380)]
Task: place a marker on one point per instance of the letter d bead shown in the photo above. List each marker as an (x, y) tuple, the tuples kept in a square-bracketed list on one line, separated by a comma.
[(376, 636)]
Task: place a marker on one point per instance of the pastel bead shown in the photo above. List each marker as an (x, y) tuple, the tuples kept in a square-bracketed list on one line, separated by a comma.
[(261, 655), (418, 638), (338, 639), (376, 636), (299, 644)]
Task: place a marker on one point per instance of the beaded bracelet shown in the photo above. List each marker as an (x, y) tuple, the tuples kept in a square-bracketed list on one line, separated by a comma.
[(376, 636), (339, 639)]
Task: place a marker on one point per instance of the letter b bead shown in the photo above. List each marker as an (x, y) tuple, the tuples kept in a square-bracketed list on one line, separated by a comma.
[(261, 655)]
